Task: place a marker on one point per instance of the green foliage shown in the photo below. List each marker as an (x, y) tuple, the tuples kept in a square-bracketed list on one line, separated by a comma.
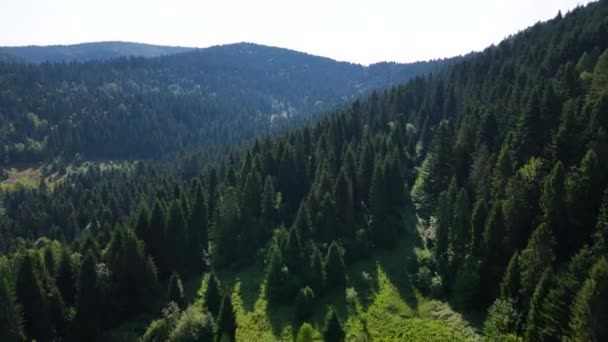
[(11, 319), (590, 309), (502, 321), (305, 333)]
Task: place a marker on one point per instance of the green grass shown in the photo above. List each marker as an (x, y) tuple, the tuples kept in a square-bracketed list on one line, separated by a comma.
[(381, 305)]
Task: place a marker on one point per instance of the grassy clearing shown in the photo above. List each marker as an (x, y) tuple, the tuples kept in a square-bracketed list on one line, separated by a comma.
[(380, 305), (25, 177)]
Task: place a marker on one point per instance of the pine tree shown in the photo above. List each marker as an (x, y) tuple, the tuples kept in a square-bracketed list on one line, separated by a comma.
[(461, 223), (556, 306), (345, 202), (142, 221), (226, 231), (534, 320), (155, 235), (212, 295), (11, 319), (275, 277), (335, 270), (86, 325), (333, 328), (226, 321), (268, 210), (175, 292), (31, 296), (511, 283), (176, 239), (305, 333), (198, 230), (537, 256), (66, 277), (316, 275), (552, 205), (590, 307), (478, 219)]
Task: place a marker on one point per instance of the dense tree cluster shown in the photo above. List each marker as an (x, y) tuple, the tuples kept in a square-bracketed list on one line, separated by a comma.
[(135, 107)]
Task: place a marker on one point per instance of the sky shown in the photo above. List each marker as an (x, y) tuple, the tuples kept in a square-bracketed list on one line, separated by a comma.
[(360, 31)]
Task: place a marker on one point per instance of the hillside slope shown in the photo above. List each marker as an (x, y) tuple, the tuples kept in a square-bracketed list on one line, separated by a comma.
[(142, 108), (87, 51)]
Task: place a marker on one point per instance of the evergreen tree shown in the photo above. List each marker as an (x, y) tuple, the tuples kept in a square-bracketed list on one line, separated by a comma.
[(11, 319), (305, 333), (535, 258), (478, 219), (212, 295), (176, 238), (175, 292), (511, 283), (333, 328), (304, 306), (66, 277), (345, 202), (316, 275), (534, 320), (556, 306), (590, 308), (155, 235), (86, 325), (226, 321), (198, 230), (31, 295), (335, 270), (275, 277)]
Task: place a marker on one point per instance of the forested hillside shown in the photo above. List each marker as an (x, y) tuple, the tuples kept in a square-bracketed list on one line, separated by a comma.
[(481, 189), (136, 108), (87, 51)]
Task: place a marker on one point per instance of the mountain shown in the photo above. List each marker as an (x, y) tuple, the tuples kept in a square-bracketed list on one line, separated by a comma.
[(146, 107), (87, 51)]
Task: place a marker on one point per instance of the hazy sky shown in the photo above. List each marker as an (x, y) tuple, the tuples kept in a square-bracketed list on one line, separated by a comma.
[(361, 31)]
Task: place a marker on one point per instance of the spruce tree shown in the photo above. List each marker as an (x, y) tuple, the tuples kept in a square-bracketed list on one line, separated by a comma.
[(335, 270), (537, 256), (31, 295), (66, 277), (198, 230), (511, 283), (590, 307), (304, 305), (316, 275), (86, 325), (226, 321), (212, 295), (534, 320), (175, 292), (305, 333), (11, 319), (275, 277), (333, 328)]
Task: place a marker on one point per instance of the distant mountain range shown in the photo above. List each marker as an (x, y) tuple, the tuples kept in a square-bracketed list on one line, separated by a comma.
[(144, 107), (85, 51)]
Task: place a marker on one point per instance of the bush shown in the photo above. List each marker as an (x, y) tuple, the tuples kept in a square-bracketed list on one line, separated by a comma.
[(192, 326)]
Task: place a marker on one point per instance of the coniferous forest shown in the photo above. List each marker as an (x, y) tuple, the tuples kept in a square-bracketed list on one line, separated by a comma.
[(466, 204)]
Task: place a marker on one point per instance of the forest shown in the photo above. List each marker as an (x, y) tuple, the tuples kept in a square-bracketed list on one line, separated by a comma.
[(467, 204), (145, 108)]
